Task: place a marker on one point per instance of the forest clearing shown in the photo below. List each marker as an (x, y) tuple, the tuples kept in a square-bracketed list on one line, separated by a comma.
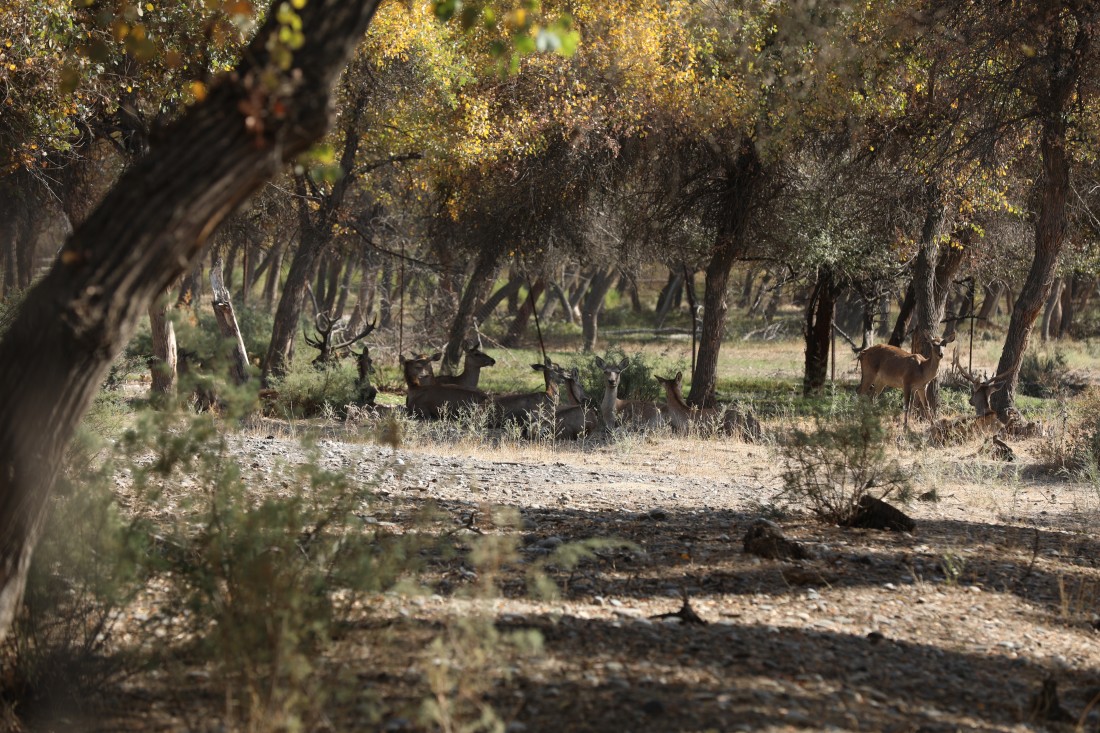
[(504, 365)]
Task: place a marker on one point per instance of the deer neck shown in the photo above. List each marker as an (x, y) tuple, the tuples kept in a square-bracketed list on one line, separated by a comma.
[(609, 404)]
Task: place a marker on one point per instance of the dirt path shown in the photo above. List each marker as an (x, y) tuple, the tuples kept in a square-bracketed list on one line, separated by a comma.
[(953, 627)]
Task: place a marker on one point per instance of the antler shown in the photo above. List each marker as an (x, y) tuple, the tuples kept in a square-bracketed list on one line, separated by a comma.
[(963, 371), (366, 332)]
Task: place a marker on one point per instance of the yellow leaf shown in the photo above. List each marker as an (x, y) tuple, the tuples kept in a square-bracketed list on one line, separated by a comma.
[(198, 90)]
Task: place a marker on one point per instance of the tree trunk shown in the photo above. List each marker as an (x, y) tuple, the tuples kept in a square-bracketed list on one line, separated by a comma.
[(1050, 225), (1069, 302), (929, 283), (316, 234), (991, 296), (481, 279), (598, 287), (905, 312), (227, 324), (165, 353), (149, 230), (743, 178), (1052, 313), (485, 310), (519, 325), (274, 273), (818, 330), (669, 294)]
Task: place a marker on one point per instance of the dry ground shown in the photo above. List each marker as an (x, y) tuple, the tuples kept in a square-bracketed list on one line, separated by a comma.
[(952, 627)]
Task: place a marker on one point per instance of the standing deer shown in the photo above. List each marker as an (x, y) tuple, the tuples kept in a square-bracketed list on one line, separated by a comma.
[(681, 416), (612, 409), (471, 367), (888, 366), (433, 400)]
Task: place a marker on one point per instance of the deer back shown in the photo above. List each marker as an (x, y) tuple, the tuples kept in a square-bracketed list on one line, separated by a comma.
[(890, 366)]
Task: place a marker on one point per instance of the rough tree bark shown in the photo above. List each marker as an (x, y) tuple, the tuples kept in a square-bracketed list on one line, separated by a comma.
[(149, 230), (818, 330), (743, 177), (1054, 104), (927, 311), (316, 234)]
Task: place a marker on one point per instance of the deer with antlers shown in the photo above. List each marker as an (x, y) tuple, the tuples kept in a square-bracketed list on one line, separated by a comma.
[(885, 366), (329, 341)]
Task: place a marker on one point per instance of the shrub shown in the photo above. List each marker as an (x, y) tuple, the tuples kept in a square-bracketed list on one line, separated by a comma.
[(635, 383), (90, 562), (832, 468), (308, 392), (1043, 374)]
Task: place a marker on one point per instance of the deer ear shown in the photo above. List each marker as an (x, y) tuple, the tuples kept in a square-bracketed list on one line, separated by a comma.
[(679, 377), (949, 339), (401, 359), (538, 367), (624, 363), (600, 363)]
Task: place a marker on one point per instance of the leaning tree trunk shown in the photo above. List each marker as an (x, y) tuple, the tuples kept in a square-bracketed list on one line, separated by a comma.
[(991, 296), (149, 230), (743, 178), (519, 324), (1052, 311), (1050, 225), (316, 233), (905, 314), (481, 279), (818, 330)]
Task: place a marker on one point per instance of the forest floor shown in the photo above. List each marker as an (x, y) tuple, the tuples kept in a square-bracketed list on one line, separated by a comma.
[(954, 626)]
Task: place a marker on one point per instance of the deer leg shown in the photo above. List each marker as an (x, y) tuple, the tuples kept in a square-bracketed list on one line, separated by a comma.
[(908, 398)]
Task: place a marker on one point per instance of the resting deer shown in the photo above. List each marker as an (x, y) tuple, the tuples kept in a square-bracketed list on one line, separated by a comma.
[(681, 416), (471, 367), (432, 400), (981, 390), (888, 366), (519, 407), (329, 339), (580, 415), (612, 409)]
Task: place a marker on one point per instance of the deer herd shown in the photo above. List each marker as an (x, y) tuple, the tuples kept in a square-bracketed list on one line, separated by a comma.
[(563, 404)]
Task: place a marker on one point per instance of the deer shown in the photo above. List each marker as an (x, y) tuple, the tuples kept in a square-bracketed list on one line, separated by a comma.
[(612, 409), (885, 366), (365, 392), (471, 367), (682, 416), (519, 407), (579, 416), (431, 401), (328, 330)]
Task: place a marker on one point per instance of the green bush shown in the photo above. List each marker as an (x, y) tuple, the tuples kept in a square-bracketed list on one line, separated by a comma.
[(636, 381), (89, 564), (308, 392), (844, 459)]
